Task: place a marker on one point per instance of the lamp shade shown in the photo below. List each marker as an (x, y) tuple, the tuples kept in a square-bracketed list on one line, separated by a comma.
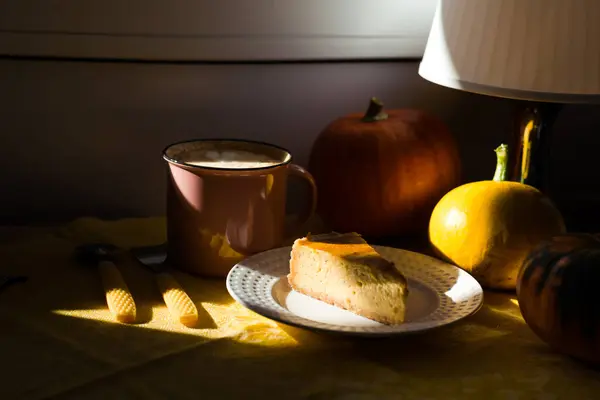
[(539, 50)]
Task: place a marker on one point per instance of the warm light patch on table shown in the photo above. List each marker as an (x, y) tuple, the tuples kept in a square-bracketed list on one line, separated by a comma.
[(228, 321)]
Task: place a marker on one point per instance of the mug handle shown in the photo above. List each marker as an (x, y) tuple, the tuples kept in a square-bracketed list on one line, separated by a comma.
[(298, 171)]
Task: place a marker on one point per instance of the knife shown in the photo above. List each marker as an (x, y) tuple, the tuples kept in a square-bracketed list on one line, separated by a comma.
[(179, 304)]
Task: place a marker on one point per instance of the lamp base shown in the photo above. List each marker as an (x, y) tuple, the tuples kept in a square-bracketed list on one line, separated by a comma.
[(531, 162)]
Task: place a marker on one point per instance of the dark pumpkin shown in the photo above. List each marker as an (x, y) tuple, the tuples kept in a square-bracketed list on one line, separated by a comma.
[(382, 172), (557, 289)]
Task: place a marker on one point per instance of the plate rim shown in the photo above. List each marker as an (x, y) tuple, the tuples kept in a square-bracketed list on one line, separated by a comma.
[(331, 327)]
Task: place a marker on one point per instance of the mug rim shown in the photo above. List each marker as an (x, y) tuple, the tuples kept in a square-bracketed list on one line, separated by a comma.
[(256, 142)]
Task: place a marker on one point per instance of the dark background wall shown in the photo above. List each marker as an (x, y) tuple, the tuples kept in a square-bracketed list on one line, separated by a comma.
[(85, 138)]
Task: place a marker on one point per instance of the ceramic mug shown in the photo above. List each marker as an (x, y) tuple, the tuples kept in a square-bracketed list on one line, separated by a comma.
[(226, 199)]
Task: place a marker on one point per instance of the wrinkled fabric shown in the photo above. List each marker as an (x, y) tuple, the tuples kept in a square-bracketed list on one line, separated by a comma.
[(58, 339)]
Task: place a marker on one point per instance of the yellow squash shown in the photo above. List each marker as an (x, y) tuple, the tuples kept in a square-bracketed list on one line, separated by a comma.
[(489, 227)]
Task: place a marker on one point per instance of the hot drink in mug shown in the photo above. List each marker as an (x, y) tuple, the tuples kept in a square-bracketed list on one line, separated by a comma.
[(226, 199)]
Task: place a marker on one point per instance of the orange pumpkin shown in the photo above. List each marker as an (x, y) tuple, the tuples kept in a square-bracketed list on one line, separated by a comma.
[(381, 173), (557, 290)]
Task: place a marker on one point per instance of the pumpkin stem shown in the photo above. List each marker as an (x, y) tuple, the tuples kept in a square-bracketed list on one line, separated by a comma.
[(375, 111), (501, 161)]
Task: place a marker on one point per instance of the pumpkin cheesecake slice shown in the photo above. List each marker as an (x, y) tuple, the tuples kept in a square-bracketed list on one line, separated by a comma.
[(345, 271)]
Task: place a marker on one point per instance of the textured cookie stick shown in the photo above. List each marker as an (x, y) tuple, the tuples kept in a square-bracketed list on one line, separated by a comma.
[(118, 298), (181, 307)]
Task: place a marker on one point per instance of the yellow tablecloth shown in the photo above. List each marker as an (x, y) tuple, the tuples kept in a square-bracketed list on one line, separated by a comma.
[(57, 339)]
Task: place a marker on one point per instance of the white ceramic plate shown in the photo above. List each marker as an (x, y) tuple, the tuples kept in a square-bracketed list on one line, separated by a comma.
[(439, 294)]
